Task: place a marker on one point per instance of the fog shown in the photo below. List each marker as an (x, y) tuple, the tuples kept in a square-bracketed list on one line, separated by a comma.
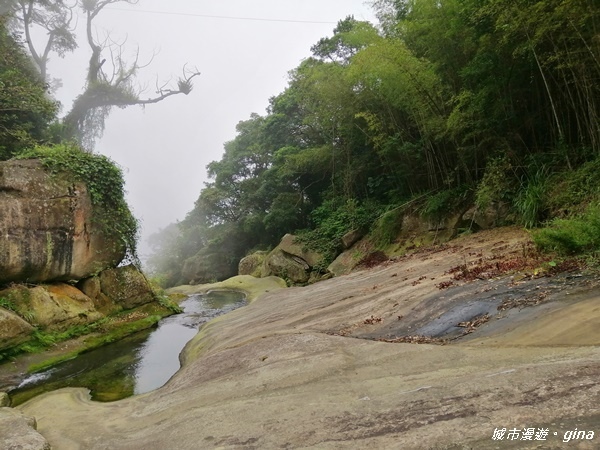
[(244, 51)]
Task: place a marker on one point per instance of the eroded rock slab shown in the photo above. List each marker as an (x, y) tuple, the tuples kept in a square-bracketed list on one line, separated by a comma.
[(281, 373)]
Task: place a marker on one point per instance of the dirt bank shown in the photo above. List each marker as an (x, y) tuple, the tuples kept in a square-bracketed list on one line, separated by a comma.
[(327, 366)]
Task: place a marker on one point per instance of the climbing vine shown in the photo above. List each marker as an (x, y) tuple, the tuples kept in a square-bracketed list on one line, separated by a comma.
[(105, 184)]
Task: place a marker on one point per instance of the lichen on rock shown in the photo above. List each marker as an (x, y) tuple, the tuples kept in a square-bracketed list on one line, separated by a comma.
[(126, 286), (13, 329), (48, 227)]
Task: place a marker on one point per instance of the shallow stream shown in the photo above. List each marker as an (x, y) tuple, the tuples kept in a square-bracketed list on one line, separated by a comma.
[(137, 364)]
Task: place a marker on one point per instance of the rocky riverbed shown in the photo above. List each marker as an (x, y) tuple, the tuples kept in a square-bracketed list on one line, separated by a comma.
[(443, 348)]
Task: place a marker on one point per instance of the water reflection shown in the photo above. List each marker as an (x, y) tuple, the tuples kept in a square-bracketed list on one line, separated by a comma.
[(137, 364)]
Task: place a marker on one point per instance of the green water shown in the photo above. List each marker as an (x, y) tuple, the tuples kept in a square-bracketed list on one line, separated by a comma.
[(139, 363)]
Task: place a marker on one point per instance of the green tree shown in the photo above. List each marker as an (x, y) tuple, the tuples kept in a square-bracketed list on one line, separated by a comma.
[(404, 111), (452, 98), (25, 107)]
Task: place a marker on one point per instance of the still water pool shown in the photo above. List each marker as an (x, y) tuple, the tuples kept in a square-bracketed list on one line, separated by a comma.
[(137, 364)]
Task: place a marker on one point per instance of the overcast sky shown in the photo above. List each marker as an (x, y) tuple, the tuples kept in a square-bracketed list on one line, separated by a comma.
[(165, 148)]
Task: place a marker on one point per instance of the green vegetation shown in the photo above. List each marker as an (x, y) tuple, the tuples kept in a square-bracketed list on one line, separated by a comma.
[(7, 304), (18, 301), (108, 335), (531, 199), (442, 204), (459, 103), (387, 227), (26, 111), (496, 185), (573, 236), (99, 333), (105, 184), (332, 222)]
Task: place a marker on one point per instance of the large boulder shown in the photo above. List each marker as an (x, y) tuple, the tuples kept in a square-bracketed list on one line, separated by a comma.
[(48, 231), (349, 259), (291, 246), (126, 286), (53, 307), (18, 431), (251, 264), (283, 265), (92, 288), (13, 329), (351, 238), (291, 260)]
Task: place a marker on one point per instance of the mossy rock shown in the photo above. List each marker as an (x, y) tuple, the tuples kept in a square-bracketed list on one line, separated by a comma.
[(283, 265), (349, 259), (251, 264), (92, 288), (50, 231), (126, 286), (52, 307), (61, 306), (290, 246), (13, 329)]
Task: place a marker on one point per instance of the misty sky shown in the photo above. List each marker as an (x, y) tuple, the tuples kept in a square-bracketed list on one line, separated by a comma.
[(165, 148)]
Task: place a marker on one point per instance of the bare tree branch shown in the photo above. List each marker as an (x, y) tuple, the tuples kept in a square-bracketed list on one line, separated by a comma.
[(110, 80), (54, 17)]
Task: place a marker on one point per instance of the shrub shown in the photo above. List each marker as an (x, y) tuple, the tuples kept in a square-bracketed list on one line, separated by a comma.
[(387, 227), (496, 184), (532, 198), (332, 221), (569, 191), (576, 235), (439, 206)]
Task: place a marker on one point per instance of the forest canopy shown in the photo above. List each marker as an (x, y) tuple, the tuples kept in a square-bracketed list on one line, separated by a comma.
[(456, 101)]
